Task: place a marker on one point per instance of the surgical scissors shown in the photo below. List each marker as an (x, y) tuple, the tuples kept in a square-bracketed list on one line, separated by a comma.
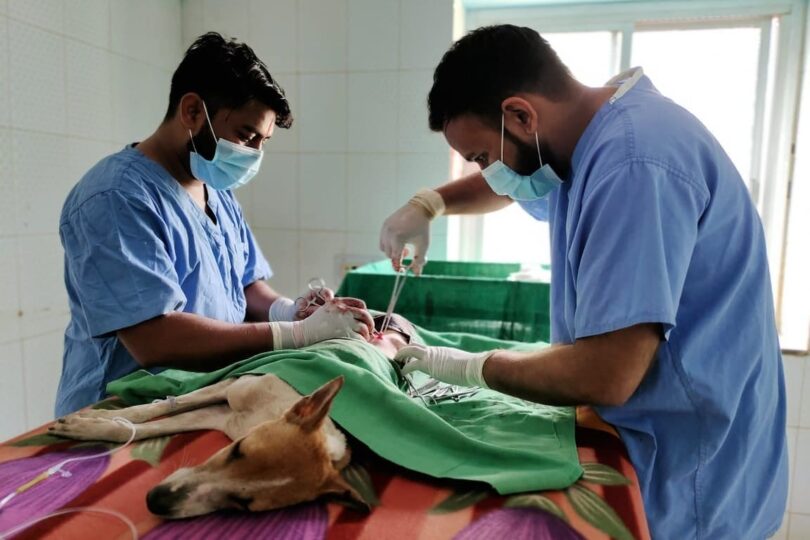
[(318, 286)]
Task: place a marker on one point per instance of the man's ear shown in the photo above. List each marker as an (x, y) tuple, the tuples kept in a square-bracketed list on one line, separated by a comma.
[(520, 115), (310, 411), (191, 113)]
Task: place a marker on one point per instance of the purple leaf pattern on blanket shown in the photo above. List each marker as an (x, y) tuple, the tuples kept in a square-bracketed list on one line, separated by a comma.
[(52, 493), (518, 524), (587, 504), (302, 522)]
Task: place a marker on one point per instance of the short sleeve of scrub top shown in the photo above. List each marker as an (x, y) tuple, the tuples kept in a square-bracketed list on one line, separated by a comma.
[(256, 266), (120, 264), (632, 246)]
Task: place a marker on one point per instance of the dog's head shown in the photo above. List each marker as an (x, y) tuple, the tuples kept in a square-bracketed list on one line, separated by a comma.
[(278, 463)]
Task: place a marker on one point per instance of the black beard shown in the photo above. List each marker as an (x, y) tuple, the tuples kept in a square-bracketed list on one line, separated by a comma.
[(528, 162), (204, 143)]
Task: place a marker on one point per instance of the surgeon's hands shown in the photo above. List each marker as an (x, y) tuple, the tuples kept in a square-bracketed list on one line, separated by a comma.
[(285, 309), (310, 302), (338, 318), (411, 225), (446, 364)]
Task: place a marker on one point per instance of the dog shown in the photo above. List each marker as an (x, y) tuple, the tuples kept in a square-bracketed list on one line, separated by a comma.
[(285, 450)]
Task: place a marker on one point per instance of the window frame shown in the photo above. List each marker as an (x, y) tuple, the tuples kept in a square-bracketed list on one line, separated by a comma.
[(783, 24)]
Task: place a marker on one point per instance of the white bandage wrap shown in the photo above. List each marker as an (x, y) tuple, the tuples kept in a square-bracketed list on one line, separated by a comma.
[(284, 335), (282, 309), (474, 372), (430, 201)]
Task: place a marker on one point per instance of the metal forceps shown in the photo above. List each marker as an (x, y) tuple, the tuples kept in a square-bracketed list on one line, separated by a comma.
[(412, 390), (399, 283)]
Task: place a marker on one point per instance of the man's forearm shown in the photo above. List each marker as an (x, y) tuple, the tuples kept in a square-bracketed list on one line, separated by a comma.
[(188, 341), (471, 195), (259, 296), (551, 376), (601, 370)]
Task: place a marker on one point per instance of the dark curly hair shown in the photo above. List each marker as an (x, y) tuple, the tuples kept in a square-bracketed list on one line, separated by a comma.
[(487, 66), (226, 73)]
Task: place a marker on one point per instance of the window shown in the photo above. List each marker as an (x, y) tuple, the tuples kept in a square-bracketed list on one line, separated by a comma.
[(735, 65)]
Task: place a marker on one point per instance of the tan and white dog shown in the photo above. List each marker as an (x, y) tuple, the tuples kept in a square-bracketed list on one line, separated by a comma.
[(285, 450)]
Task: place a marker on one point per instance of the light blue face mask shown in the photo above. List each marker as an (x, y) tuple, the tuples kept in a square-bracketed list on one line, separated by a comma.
[(504, 181), (232, 166)]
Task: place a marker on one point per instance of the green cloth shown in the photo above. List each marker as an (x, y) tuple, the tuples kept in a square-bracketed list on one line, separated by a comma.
[(511, 444)]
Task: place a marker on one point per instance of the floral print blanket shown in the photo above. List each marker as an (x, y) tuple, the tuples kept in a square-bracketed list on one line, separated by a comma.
[(604, 503)]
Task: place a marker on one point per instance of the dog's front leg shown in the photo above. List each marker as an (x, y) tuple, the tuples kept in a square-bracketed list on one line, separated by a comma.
[(208, 395), (105, 429)]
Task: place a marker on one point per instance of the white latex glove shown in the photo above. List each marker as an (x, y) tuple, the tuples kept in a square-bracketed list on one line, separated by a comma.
[(286, 309), (411, 225), (446, 364), (340, 318), (282, 309), (309, 302)]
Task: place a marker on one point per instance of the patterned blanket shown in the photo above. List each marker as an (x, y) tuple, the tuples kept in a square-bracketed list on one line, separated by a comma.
[(604, 503)]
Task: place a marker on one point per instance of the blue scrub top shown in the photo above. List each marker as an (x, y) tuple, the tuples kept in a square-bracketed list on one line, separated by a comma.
[(655, 225), (136, 247)]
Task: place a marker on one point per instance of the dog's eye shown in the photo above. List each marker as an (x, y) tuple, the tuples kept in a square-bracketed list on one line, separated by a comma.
[(236, 451), (241, 502)]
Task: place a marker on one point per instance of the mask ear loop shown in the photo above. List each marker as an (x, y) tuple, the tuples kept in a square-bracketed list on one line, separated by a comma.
[(207, 119), (194, 146), (537, 142), (502, 121)]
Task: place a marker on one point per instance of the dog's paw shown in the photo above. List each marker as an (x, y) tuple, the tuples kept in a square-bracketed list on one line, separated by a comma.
[(88, 428)]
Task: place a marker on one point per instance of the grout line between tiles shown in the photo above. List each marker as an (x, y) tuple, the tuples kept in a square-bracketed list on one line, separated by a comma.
[(802, 397)]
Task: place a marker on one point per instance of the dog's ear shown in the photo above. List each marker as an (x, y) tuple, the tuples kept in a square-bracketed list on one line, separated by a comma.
[(310, 410)]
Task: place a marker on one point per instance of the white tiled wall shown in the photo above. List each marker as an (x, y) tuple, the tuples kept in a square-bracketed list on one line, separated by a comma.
[(357, 73), (78, 80), (81, 78), (796, 525)]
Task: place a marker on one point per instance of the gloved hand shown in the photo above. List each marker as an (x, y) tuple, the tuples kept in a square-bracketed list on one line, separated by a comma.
[(338, 318), (446, 364), (286, 309), (411, 225)]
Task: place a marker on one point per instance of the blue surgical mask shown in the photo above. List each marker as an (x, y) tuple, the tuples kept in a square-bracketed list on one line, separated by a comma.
[(232, 166), (504, 181)]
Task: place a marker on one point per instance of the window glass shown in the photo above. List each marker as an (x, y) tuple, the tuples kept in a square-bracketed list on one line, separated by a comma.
[(719, 88)]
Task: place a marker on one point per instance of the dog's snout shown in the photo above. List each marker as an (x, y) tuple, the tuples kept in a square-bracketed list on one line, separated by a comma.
[(162, 500)]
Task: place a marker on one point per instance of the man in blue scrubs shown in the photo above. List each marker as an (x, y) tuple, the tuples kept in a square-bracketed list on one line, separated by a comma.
[(662, 311), (160, 266)]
